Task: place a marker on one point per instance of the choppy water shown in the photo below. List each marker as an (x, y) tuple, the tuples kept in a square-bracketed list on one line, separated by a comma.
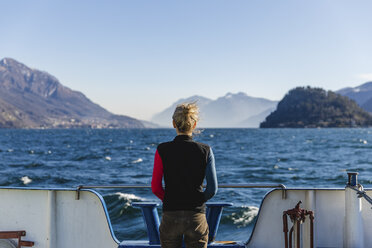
[(294, 157)]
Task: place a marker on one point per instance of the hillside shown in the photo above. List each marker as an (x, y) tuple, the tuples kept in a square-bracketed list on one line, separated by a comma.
[(362, 94), (231, 110), (31, 98), (315, 107)]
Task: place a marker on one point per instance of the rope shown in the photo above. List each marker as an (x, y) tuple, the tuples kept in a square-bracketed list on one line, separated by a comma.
[(362, 193)]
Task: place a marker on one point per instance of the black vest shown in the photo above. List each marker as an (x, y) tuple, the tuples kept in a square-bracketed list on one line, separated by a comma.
[(184, 164)]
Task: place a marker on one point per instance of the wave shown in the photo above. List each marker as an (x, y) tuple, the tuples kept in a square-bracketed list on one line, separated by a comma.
[(137, 161), (26, 180), (31, 165), (363, 141), (86, 157), (120, 204), (128, 198), (61, 180), (241, 216), (34, 165)]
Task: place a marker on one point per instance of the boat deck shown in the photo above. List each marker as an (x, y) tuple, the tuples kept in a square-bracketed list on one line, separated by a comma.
[(60, 218)]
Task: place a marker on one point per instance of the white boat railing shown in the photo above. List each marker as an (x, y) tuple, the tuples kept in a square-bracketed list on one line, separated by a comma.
[(141, 186)]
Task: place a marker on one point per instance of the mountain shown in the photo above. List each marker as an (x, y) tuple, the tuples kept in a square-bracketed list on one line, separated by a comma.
[(231, 110), (254, 120), (315, 107), (362, 94), (31, 98), (164, 118)]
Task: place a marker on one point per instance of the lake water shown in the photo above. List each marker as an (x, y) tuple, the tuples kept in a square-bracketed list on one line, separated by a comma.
[(293, 157)]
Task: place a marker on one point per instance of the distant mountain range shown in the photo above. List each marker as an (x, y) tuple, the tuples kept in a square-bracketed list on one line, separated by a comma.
[(362, 94), (231, 110), (241, 110), (31, 98)]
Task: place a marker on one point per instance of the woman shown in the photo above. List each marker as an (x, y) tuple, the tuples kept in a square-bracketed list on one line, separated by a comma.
[(184, 164)]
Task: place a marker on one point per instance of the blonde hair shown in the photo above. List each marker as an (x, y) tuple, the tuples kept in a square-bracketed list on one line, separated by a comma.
[(185, 116)]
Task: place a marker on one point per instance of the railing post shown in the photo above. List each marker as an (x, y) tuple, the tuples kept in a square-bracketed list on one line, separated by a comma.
[(353, 214), (151, 218), (214, 213)]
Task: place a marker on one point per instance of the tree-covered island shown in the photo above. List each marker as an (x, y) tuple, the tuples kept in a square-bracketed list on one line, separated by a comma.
[(306, 107)]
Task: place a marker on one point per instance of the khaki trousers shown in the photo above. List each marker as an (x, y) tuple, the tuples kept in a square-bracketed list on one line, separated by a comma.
[(188, 225)]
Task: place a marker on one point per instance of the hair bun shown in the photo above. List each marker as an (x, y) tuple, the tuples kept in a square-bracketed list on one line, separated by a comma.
[(186, 110), (185, 115)]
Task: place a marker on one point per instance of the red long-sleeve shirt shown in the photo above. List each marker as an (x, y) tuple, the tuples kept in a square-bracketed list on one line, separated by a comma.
[(157, 177)]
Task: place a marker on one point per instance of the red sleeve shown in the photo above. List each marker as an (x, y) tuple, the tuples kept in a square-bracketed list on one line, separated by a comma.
[(157, 176)]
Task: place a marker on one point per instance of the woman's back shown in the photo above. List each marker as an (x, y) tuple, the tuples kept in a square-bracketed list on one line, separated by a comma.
[(184, 166)]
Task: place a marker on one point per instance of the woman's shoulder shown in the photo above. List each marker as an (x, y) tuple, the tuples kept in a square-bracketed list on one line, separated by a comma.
[(164, 144), (203, 146)]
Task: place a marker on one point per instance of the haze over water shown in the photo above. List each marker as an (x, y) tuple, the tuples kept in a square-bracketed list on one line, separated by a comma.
[(294, 157)]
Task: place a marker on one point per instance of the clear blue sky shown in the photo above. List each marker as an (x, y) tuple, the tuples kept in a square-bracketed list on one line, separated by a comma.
[(137, 57)]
